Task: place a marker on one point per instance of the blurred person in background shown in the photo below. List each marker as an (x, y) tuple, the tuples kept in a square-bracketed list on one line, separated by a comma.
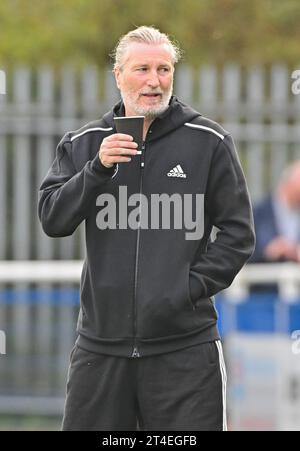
[(148, 353), (277, 221)]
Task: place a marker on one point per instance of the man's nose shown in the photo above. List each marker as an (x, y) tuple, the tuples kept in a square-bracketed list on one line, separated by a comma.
[(153, 80)]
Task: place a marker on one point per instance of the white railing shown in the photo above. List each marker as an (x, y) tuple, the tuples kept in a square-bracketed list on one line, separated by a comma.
[(285, 275), (57, 271)]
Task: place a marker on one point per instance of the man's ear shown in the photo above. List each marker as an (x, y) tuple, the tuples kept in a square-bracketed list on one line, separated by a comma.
[(117, 76)]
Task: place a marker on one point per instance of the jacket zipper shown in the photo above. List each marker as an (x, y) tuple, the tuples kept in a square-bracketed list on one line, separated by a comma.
[(135, 352)]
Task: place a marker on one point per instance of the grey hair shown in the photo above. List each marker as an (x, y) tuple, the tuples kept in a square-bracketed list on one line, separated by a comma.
[(144, 35)]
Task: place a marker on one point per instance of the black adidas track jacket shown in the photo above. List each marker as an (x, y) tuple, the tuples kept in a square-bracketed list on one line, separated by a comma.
[(147, 290)]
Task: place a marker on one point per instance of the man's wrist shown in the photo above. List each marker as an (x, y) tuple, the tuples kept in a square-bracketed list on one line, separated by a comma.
[(99, 167), (105, 165)]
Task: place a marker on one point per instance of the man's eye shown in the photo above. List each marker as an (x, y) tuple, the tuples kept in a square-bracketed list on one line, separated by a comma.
[(164, 69), (142, 69)]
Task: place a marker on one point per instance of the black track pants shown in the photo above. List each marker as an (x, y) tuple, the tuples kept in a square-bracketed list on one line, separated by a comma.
[(180, 390)]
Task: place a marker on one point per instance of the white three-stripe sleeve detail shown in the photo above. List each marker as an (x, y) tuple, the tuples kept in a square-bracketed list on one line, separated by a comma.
[(207, 129), (91, 130), (224, 382)]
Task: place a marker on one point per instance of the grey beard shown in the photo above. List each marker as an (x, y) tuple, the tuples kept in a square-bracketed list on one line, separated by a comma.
[(148, 113), (152, 114)]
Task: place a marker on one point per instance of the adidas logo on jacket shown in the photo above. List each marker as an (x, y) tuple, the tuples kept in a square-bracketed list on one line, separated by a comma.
[(177, 172)]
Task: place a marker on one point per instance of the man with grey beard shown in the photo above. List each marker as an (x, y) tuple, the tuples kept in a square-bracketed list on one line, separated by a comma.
[(148, 354)]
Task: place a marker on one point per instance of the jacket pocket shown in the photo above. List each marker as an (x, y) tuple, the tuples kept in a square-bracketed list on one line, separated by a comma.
[(200, 301), (188, 291)]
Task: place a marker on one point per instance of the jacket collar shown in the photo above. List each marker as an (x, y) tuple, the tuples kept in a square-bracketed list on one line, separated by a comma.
[(175, 116)]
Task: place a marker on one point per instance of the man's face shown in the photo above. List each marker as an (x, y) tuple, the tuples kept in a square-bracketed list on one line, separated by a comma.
[(146, 79)]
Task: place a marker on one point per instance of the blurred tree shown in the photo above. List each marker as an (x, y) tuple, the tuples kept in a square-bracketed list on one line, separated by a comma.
[(85, 31)]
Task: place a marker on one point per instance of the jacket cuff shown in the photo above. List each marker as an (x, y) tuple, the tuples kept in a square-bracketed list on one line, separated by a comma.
[(99, 168)]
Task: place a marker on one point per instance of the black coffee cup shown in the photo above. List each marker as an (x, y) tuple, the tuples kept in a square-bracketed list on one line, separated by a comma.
[(133, 126)]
